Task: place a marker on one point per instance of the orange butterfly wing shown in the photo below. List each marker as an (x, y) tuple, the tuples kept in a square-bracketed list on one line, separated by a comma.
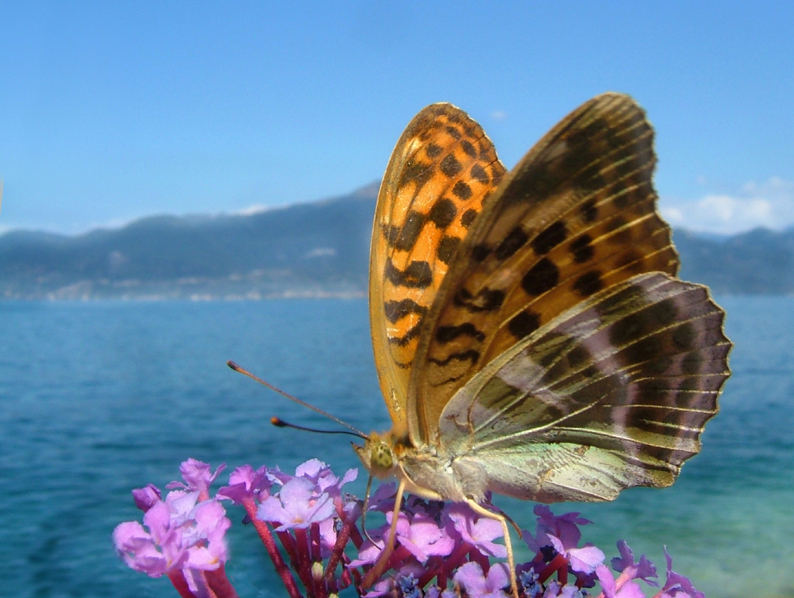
[(440, 172)]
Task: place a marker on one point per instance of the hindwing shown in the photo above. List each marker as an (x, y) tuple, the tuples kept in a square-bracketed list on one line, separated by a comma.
[(614, 392)]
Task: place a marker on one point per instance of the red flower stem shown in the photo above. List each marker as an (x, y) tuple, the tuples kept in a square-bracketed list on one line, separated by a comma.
[(349, 520), (450, 563), (558, 563), (398, 556), (316, 546), (288, 542), (318, 588), (299, 554), (219, 583), (339, 546), (180, 583), (433, 567), (270, 546), (355, 535), (346, 580), (478, 557)]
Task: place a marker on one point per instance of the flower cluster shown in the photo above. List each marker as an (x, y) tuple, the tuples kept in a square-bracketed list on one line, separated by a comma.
[(315, 536)]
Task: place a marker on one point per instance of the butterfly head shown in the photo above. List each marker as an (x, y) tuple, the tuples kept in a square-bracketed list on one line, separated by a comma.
[(377, 454)]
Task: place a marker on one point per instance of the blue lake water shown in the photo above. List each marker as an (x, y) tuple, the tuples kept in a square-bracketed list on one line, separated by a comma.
[(99, 398)]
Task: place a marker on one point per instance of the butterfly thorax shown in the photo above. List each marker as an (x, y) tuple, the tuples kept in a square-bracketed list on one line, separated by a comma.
[(427, 470)]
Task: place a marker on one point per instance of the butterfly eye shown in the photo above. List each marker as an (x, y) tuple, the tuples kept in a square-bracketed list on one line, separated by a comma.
[(381, 455)]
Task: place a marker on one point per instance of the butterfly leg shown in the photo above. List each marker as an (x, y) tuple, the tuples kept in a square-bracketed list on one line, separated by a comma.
[(511, 563), (380, 565), (364, 509)]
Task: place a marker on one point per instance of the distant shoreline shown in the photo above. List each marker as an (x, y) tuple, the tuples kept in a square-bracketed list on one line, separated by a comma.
[(313, 250)]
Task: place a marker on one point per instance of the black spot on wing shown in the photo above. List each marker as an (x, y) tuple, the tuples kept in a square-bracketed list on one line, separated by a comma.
[(523, 324), (468, 217), (581, 248), (433, 150), (684, 336), (410, 231), (486, 300), (643, 350), (454, 132), (621, 201), (410, 334), (450, 166), (447, 248), (480, 252), (588, 283), (665, 311), (577, 357), (542, 277), (443, 213), (468, 148), (446, 334), (469, 355), (416, 275), (391, 233), (396, 310), (461, 190), (549, 238), (478, 174), (514, 240), (627, 329), (416, 172)]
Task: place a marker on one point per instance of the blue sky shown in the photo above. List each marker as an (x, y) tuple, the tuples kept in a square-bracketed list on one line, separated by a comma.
[(114, 110)]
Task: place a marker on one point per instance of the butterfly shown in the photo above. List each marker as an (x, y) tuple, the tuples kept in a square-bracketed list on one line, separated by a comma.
[(530, 334)]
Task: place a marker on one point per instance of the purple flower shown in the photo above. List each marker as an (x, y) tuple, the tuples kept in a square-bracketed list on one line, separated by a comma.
[(477, 531), (321, 475), (417, 532), (562, 534), (370, 551), (382, 499), (677, 585), (554, 590), (197, 475), (564, 527), (182, 534), (246, 482), (582, 560), (146, 497), (422, 536), (628, 589), (643, 569), (297, 505), (470, 576)]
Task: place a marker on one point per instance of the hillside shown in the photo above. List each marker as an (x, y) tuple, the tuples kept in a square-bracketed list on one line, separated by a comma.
[(311, 249)]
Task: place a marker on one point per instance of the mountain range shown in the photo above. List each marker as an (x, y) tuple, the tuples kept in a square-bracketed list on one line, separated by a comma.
[(312, 249)]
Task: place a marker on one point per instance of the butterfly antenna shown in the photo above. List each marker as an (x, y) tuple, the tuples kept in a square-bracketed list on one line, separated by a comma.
[(280, 423), (242, 370)]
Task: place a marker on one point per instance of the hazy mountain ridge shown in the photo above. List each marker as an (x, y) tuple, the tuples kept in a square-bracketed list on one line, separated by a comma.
[(310, 249)]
